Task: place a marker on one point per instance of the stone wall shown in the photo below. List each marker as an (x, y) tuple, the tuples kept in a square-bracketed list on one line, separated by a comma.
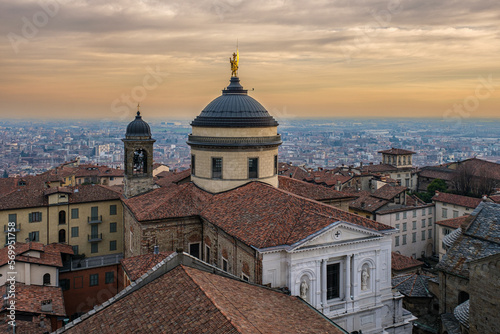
[(450, 288)]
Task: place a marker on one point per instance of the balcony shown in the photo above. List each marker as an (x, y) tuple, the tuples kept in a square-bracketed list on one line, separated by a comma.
[(91, 262), (94, 237), (94, 220), (17, 228)]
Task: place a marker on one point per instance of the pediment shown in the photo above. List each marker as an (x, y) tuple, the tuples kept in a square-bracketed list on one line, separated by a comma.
[(337, 234)]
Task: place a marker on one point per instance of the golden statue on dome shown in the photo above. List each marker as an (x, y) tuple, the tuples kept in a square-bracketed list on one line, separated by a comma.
[(234, 63)]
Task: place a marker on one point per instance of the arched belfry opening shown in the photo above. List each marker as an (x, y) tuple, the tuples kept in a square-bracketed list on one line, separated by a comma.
[(138, 162)]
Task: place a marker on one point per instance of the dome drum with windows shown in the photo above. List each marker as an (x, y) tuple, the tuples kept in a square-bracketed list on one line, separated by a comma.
[(234, 140)]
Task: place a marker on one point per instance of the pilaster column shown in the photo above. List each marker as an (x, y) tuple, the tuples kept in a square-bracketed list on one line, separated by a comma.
[(348, 278), (323, 283)]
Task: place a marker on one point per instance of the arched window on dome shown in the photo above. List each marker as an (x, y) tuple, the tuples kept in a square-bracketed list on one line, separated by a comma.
[(140, 162)]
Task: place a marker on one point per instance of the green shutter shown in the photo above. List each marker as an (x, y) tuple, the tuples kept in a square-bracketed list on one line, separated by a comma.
[(30, 218)]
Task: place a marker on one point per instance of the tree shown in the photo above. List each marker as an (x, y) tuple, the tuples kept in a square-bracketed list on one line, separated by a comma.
[(436, 184)]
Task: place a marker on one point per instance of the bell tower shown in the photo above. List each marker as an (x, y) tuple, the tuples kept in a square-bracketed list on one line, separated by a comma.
[(138, 157)]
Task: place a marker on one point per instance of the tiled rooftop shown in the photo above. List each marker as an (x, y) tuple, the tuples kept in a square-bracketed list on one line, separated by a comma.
[(396, 151), (50, 255), (401, 262), (137, 266), (412, 285), (453, 222), (468, 202), (29, 298), (188, 300), (309, 190)]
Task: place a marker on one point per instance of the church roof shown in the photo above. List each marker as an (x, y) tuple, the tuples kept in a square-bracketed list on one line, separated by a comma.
[(396, 151), (234, 108), (259, 214), (138, 128)]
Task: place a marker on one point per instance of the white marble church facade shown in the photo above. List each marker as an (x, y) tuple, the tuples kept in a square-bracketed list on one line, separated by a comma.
[(345, 272)]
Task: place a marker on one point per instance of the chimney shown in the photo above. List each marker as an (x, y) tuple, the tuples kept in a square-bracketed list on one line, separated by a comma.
[(156, 250)]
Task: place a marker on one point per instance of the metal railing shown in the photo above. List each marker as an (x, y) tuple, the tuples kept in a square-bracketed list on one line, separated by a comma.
[(91, 262), (94, 219), (94, 237)]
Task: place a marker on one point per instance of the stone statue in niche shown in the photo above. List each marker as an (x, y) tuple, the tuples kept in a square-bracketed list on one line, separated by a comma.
[(365, 275), (303, 289)]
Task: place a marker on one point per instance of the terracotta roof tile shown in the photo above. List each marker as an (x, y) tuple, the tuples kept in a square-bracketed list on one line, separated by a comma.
[(308, 190), (187, 300), (468, 202), (453, 222), (401, 262), (137, 266), (388, 192), (29, 298), (50, 255), (380, 168), (167, 178)]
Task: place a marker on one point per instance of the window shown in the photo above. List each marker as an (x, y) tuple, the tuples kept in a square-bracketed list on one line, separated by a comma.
[(224, 264), (414, 224), (35, 217), (216, 168), (396, 241), (275, 164), (397, 226), (75, 249), (455, 214), (94, 279), (414, 213), (193, 164), (404, 227), (64, 284), (94, 213), (112, 245), (194, 250), (94, 232), (112, 210), (34, 236), (245, 277), (423, 223), (207, 254), (430, 210), (333, 281), (429, 222), (446, 231), (74, 232), (62, 235), (94, 247), (423, 211), (404, 215), (112, 227), (62, 217), (414, 237), (429, 235), (109, 277), (404, 239), (445, 213), (12, 218), (74, 213), (397, 216), (46, 279), (253, 168), (423, 235)]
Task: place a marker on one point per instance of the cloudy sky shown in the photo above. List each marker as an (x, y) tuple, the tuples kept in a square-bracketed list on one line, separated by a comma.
[(332, 58)]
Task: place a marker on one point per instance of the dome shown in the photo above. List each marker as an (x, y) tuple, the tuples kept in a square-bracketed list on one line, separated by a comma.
[(138, 128), (234, 108)]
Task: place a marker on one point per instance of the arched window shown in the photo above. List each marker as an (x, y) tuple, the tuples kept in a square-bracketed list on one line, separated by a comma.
[(62, 235), (62, 217), (46, 279), (140, 162)]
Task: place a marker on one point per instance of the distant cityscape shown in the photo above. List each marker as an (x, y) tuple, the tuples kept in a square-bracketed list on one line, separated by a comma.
[(29, 147)]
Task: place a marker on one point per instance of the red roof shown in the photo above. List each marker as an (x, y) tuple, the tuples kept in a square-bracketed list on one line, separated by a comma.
[(50, 255), (168, 177), (453, 222), (401, 262), (309, 190), (188, 300), (29, 298), (137, 266), (468, 202), (263, 216), (388, 192)]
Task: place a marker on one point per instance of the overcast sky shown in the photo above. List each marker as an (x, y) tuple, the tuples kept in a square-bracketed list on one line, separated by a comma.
[(333, 58)]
